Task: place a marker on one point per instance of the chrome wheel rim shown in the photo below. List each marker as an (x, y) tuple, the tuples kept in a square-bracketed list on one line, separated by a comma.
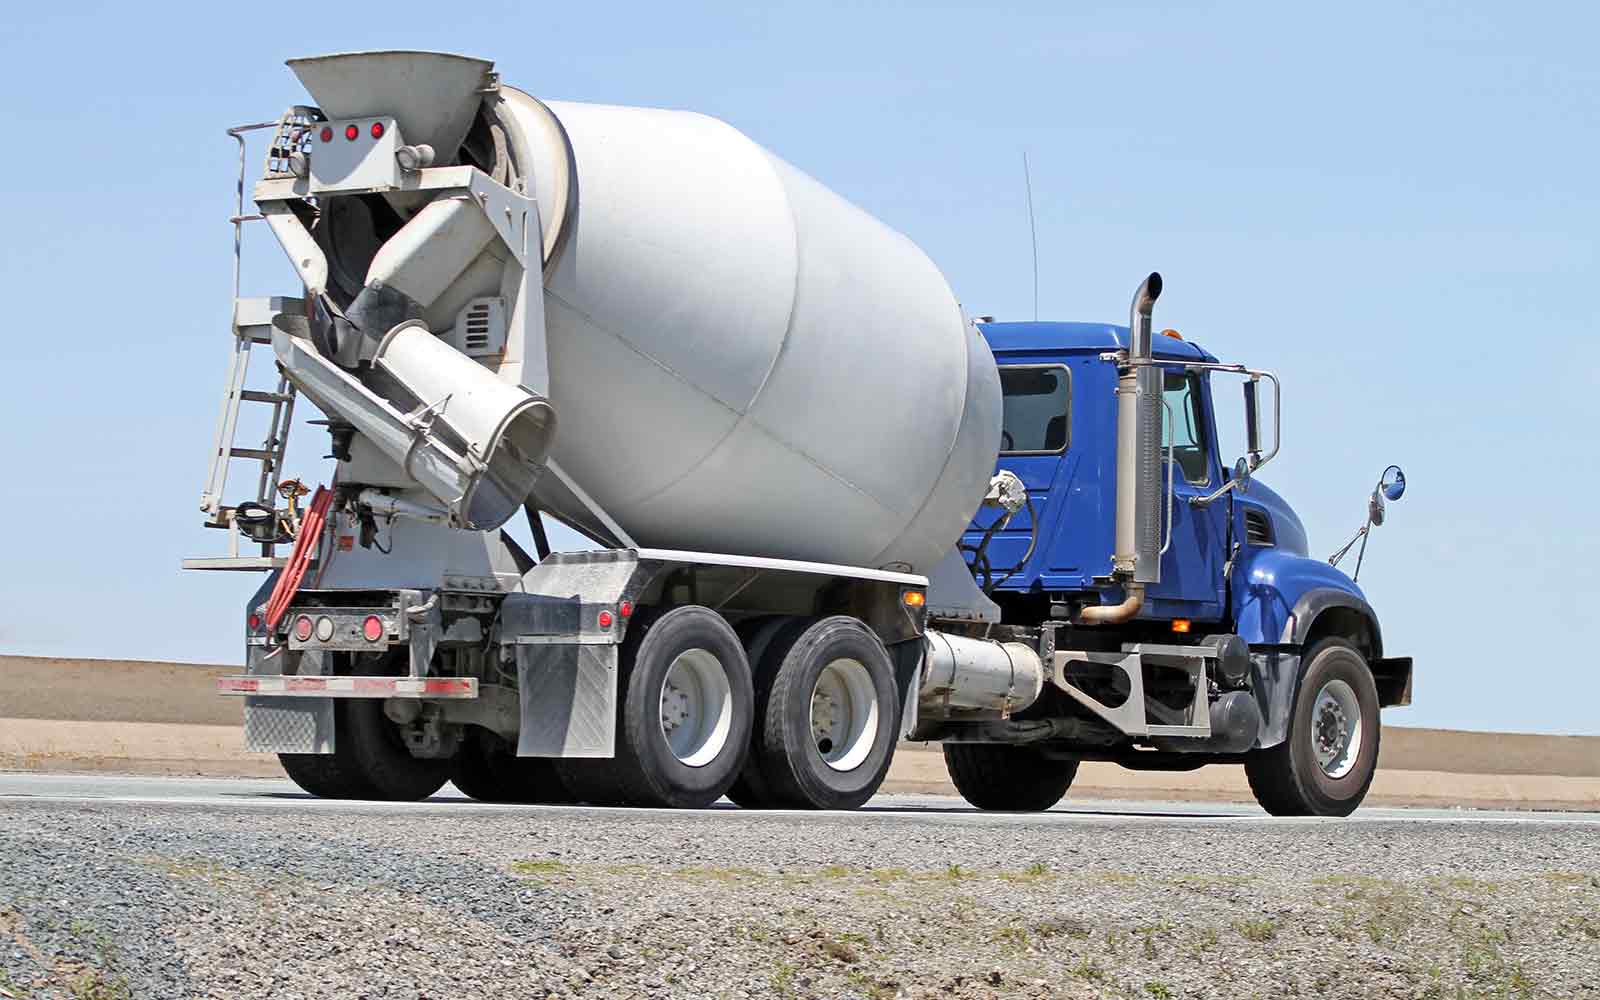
[(844, 714), (1336, 729), (696, 707)]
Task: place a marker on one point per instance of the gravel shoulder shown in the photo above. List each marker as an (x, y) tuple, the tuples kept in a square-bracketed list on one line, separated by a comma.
[(114, 900)]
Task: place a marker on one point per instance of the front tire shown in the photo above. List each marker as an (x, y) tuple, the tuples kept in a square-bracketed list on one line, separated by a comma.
[(1006, 778), (1326, 764)]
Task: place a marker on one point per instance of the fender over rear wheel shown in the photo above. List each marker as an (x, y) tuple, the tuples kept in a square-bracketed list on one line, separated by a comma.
[(1005, 778), (1326, 764)]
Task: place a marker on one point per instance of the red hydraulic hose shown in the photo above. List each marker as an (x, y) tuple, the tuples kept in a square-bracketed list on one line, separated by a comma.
[(295, 569)]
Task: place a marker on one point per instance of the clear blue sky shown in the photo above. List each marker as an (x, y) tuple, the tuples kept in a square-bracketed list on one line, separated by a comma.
[(1393, 205)]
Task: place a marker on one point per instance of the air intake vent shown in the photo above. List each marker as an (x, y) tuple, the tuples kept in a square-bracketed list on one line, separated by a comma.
[(480, 330), (1257, 528)]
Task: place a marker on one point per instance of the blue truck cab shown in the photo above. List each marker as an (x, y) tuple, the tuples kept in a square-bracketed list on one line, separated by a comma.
[(1278, 648)]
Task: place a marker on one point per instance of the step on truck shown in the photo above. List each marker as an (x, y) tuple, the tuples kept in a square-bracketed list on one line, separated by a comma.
[(826, 511)]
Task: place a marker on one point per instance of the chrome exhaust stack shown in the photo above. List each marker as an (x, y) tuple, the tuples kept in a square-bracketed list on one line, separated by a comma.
[(1137, 558)]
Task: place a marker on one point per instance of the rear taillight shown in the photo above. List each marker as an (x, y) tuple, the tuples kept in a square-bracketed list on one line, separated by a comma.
[(372, 628), (302, 628)]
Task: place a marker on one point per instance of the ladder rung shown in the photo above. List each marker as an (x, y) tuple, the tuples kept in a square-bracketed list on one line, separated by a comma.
[(257, 396), (259, 454)]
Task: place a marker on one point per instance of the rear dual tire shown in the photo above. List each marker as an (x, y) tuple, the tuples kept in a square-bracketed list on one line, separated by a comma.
[(827, 715), (684, 709), (488, 769), (370, 760)]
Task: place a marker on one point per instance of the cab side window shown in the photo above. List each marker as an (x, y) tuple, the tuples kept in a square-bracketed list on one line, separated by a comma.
[(1185, 431), (1038, 405)]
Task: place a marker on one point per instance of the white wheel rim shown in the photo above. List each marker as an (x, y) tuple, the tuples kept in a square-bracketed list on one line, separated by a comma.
[(844, 714), (696, 707), (1336, 728)]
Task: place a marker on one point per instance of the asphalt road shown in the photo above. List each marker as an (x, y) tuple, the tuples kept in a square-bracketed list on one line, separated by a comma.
[(926, 809)]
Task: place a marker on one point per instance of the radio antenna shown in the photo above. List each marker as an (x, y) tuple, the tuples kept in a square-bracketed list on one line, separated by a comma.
[(1033, 233)]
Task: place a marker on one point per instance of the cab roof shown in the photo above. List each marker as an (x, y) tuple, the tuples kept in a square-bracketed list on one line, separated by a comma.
[(1047, 338)]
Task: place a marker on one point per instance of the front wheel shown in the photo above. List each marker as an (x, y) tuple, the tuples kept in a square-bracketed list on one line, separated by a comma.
[(1326, 764), (1008, 778)]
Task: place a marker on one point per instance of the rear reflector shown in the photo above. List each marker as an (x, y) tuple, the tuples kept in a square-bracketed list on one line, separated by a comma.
[(351, 687)]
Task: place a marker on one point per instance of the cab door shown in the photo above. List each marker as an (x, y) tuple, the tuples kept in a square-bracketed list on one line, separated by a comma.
[(1191, 570), (1036, 431)]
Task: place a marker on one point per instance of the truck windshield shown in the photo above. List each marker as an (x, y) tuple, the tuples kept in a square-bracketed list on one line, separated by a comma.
[(1182, 393), (1038, 402)]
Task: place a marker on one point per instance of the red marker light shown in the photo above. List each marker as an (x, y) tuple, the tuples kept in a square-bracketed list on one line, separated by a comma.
[(350, 132), (255, 622), (605, 619), (372, 628), (377, 130), (302, 628), (625, 609), (327, 134)]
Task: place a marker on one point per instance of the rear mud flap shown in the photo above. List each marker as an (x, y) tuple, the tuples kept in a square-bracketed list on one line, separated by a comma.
[(568, 698), (286, 725)]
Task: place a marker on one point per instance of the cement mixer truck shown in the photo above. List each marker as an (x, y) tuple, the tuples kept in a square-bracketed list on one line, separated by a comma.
[(826, 511)]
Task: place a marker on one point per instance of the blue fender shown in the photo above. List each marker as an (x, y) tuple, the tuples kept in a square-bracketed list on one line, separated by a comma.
[(1278, 595)]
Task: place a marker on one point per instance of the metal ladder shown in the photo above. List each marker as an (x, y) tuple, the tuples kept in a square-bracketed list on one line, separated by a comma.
[(252, 325)]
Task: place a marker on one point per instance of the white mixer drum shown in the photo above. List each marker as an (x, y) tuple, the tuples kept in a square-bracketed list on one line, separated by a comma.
[(741, 360)]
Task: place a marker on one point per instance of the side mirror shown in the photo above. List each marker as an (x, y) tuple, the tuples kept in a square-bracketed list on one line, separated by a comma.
[(1391, 486), (1252, 420), (1393, 483), (1241, 474)]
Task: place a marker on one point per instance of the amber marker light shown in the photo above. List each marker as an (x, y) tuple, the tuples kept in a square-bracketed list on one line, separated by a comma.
[(1180, 624), (915, 598)]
